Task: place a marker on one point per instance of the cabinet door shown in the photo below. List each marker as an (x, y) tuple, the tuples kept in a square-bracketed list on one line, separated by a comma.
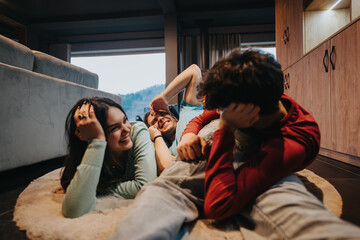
[(299, 84), (345, 89), (288, 31), (280, 26), (295, 32), (296, 85), (319, 83)]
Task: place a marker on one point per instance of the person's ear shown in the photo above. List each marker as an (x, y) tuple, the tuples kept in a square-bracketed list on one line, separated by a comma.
[(219, 110), (203, 100)]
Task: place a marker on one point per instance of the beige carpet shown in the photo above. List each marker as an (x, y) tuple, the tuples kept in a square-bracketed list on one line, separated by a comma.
[(38, 211)]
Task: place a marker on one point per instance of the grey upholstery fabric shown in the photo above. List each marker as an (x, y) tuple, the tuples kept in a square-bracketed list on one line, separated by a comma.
[(33, 106), (15, 54), (54, 67)]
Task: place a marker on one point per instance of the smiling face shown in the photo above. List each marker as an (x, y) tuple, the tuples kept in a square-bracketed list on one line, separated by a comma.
[(165, 123), (118, 132)]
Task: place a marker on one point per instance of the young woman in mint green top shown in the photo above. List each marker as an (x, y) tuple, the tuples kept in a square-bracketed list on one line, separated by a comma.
[(108, 155)]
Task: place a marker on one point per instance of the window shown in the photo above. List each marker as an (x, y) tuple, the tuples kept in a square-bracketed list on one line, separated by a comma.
[(268, 49), (137, 78)]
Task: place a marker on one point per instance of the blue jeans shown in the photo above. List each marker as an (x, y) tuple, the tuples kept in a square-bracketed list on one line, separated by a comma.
[(165, 204), (288, 211), (174, 200)]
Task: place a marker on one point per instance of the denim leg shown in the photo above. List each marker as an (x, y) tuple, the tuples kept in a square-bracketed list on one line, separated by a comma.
[(164, 205), (288, 211)]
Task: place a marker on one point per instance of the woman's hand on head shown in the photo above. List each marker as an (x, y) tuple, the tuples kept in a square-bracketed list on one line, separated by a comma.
[(238, 115), (153, 132), (88, 126), (192, 147)]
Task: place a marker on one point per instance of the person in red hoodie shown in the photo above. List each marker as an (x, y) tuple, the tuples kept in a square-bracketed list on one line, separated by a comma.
[(245, 90)]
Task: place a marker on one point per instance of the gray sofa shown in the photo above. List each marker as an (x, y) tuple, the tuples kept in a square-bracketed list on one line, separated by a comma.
[(36, 93)]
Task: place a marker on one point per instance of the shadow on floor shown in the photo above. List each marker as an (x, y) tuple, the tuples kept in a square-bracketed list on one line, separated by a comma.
[(12, 183)]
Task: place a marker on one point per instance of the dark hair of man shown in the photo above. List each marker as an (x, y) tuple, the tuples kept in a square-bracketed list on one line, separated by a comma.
[(246, 77), (146, 116), (112, 168)]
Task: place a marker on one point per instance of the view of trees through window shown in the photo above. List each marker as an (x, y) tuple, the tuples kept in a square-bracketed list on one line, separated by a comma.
[(137, 78), (138, 103)]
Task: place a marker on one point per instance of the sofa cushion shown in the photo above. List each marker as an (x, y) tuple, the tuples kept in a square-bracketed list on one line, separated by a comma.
[(54, 67), (15, 54)]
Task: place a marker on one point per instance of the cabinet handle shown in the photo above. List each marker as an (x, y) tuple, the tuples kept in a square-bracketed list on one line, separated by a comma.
[(285, 37), (287, 81), (287, 34), (288, 77), (326, 60), (332, 57)]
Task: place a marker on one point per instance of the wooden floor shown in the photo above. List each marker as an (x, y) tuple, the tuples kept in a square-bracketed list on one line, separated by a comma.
[(344, 177)]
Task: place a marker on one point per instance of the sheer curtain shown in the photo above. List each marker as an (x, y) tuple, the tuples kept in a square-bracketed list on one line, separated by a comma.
[(221, 44)]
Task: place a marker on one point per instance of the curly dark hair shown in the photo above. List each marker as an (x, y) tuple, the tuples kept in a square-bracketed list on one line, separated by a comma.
[(247, 77), (112, 168)]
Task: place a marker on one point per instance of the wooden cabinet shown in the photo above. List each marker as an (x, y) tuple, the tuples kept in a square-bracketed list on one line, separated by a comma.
[(345, 90), (333, 90), (289, 33), (325, 81)]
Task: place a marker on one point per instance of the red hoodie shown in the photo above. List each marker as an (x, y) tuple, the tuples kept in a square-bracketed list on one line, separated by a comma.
[(288, 147)]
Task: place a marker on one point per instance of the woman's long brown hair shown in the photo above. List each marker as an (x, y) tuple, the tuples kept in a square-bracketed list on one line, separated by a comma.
[(112, 169)]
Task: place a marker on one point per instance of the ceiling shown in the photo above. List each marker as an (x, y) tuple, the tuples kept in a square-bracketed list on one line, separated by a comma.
[(79, 17)]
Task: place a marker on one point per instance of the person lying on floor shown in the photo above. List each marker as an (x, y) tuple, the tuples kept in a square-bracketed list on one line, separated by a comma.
[(106, 155), (165, 130), (278, 207), (251, 84)]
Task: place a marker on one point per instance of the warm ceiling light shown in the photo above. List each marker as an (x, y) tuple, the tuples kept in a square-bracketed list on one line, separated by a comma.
[(331, 8)]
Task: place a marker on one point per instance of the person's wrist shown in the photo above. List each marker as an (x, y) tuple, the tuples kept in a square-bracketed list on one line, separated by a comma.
[(224, 125), (158, 136), (187, 135), (101, 137)]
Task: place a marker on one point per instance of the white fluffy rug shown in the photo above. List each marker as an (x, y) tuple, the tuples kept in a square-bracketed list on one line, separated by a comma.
[(38, 211)]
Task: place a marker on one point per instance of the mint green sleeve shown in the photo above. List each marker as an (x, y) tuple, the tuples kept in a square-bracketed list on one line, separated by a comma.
[(80, 197), (143, 159)]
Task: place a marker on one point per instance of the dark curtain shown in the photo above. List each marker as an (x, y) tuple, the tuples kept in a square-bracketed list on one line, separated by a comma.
[(189, 49), (219, 46)]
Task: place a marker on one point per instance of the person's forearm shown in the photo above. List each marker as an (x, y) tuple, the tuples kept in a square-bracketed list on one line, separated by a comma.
[(234, 189), (162, 154), (80, 197), (197, 123), (191, 75), (220, 179)]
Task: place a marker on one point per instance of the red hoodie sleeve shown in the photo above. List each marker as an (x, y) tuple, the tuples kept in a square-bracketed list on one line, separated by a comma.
[(228, 191), (197, 123)]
